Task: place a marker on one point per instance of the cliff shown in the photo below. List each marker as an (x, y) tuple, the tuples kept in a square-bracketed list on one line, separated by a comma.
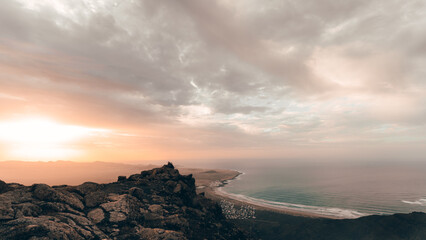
[(155, 204)]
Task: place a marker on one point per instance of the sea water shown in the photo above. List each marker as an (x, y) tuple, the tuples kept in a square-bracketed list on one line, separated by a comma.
[(346, 190)]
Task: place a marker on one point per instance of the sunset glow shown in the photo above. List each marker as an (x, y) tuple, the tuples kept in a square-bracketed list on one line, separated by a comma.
[(42, 139)]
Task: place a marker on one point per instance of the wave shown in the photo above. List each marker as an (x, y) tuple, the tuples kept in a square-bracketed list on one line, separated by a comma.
[(323, 211), (239, 175), (421, 202), (217, 184)]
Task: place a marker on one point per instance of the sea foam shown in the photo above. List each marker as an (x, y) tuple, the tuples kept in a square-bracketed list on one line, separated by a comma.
[(421, 202), (323, 211)]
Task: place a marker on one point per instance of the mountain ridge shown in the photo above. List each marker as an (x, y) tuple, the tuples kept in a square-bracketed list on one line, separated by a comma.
[(154, 204)]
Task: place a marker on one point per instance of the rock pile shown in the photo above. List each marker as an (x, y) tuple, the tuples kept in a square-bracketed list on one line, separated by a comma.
[(155, 204)]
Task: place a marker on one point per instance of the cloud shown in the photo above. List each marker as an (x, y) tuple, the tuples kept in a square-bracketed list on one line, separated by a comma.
[(283, 72)]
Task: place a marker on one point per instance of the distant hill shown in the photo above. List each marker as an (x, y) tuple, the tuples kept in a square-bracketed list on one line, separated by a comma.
[(65, 172)]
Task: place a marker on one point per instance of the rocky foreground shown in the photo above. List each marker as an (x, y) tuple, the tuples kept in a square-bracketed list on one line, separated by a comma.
[(155, 204)]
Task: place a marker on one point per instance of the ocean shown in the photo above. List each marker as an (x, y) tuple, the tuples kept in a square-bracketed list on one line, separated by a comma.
[(345, 190)]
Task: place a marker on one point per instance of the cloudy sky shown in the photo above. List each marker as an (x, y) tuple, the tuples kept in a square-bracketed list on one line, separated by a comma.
[(226, 79)]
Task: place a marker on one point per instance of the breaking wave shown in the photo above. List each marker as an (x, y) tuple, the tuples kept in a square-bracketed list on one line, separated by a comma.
[(322, 211), (421, 202)]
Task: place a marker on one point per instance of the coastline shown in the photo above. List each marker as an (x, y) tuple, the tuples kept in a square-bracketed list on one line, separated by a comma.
[(265, 222), (215, 191)]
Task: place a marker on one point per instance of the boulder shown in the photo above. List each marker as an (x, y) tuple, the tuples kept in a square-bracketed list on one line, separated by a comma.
[(3, 187), (117, 216), (155, 208), (124, 207), (27, 209), (137, 192), (46, 193), (121, 178), (94, 199), (96, 216), (88, 187), (80, 220)]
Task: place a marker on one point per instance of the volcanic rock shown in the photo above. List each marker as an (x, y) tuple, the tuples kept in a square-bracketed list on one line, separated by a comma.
[(155, 204)]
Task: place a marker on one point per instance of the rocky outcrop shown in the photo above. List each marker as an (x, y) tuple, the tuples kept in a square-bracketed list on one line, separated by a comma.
[(155, 204), (3, 187)]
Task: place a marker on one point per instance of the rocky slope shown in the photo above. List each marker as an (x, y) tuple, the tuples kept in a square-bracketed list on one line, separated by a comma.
[(155, 204), (269, 225)]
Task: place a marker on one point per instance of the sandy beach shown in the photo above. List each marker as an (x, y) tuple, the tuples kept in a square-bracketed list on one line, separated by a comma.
[(211, 182)]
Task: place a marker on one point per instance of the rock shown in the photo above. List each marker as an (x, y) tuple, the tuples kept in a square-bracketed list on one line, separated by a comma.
[(121, 178), (158, 199), (28, 209), (137, 192), (158, 234), (96, 215), (172, 184), (114, 197), (80, 220), (156, 209), (178, 188), (156, 204), (120, 204), (46, 193), (144, 174), (94, 199), (122, 208), (142, 182), (88, 187), (176, 221), (134, 177), (153, 217), (6, 211), (169, 165), (116, 216), (3, 187), (14, 199), (53, 207), (44, 226)]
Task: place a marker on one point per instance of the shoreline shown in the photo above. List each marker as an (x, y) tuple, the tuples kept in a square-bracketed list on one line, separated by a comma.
[(215, 192)]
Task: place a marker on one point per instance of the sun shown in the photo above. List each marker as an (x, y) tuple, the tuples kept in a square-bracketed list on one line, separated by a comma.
[(42, 139)]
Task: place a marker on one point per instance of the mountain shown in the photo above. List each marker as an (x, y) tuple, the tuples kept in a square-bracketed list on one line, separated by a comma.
[(155, 204), (66, 172)]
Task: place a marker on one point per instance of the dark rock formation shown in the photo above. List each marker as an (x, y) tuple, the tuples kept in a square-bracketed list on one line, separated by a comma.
[(156, 204), (3, 187)]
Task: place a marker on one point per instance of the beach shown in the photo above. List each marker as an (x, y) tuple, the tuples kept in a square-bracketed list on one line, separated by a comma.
[(280, 222), (210, 182)]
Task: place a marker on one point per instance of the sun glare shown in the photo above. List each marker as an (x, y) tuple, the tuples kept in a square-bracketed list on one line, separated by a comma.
[(42, 139)]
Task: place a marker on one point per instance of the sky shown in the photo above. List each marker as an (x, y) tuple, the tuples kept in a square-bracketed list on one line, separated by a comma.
[(139, 81)]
